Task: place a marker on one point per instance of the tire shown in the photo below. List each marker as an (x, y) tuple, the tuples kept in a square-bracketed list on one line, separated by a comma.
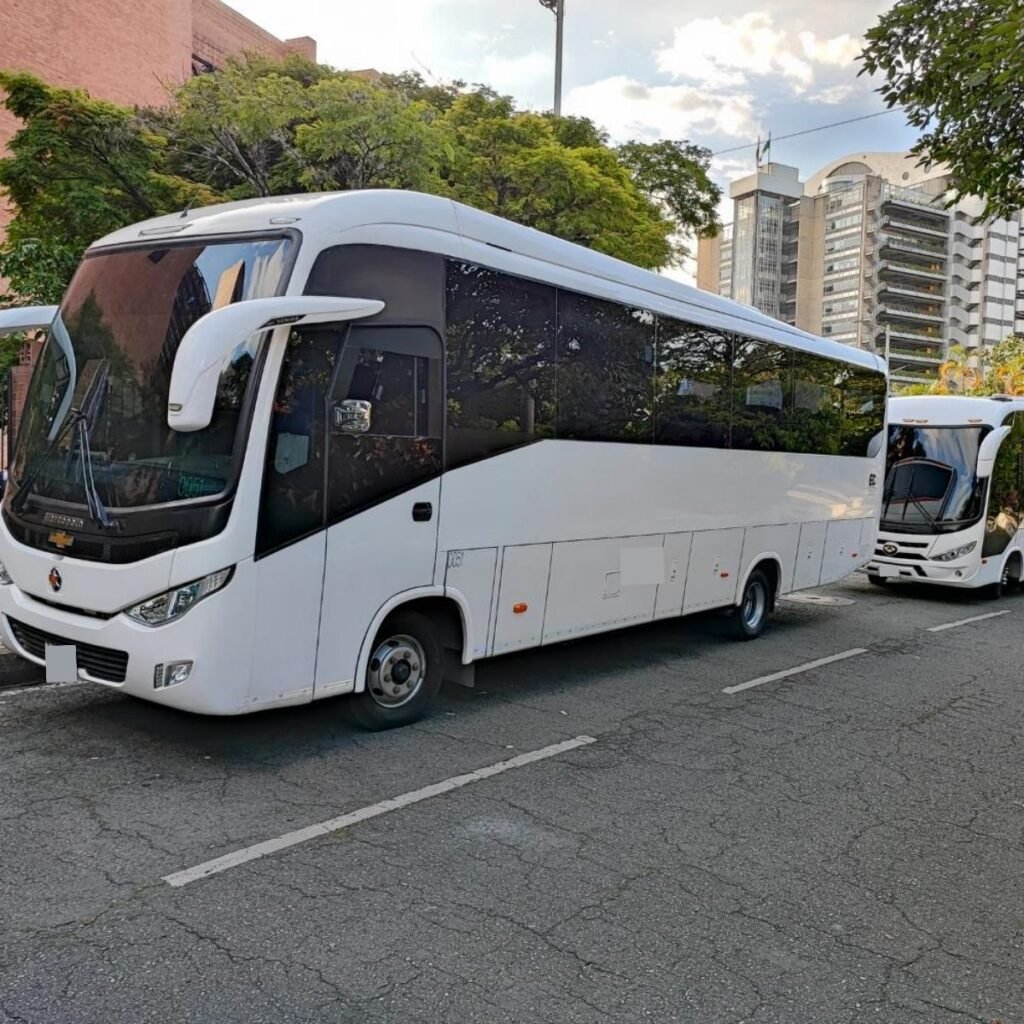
[(749, 618), (403, 676), (877, 581)]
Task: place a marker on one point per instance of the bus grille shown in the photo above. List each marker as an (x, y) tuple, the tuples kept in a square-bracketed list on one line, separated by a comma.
[(100, 662)]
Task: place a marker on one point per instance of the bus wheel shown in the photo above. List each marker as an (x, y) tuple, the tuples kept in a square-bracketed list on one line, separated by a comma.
[(750, 616), (404, 674)]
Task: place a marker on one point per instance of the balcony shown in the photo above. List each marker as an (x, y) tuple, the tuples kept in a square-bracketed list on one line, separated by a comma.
[(911, 335), (901, 289), (898, 222), (932, 271), (903, 244), (924, 356), (900, 311), (902, 375)]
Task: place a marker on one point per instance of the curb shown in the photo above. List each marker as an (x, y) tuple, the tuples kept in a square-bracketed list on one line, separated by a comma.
[(15, 671)]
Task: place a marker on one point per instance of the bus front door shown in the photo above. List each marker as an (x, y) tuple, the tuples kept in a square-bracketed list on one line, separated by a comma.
[(384, 419)]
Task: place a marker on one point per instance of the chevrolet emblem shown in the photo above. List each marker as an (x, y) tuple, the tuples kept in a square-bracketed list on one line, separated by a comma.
[(61, 540)]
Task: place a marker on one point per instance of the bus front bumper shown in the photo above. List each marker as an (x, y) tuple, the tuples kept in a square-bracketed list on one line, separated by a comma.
[(124, 655), (923, 572)]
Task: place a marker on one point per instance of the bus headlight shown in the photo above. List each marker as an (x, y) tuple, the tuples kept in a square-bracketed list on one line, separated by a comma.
[(5, 576), (172, 604), (949, 556)]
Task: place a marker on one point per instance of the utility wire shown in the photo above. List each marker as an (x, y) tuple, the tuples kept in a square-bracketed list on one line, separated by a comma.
[(807, 131)]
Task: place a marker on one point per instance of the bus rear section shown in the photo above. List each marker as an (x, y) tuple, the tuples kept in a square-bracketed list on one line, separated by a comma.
[(951, 504)]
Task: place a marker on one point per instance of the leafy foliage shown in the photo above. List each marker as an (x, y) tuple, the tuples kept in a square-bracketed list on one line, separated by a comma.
[(80, 168), (998, 370), (957, 68)]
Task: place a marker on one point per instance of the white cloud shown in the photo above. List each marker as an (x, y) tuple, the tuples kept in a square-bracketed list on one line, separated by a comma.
[(839, 50), (720, 53), (833, 95), (628, 109)]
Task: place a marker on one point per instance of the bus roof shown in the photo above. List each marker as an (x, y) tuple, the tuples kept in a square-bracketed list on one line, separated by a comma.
[(952, 410), (326, 218)]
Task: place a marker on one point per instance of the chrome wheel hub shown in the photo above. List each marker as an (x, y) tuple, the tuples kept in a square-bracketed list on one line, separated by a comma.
[(755, 601), (397, 670)]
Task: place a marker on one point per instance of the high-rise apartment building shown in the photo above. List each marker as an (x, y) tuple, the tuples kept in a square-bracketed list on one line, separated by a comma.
[(867, 252)]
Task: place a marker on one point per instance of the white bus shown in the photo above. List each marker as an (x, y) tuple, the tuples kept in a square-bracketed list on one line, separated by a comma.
[(285, 449), (951, 504)]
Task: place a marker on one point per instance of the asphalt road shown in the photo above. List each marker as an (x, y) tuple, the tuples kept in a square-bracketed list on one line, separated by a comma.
[(844, 844)]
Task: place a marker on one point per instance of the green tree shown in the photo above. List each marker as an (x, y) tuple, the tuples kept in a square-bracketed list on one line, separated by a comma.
[(675, 174), (513, 164), (956, 67), (77, 169)]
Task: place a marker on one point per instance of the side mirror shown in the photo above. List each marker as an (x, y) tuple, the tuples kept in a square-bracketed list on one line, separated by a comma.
[(988, 450), (211, 340), (26, 318), (352, 416)]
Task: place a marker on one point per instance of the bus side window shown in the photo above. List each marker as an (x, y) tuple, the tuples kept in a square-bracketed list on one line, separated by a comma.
[(694, 378), (762, 384), (394, 443), (291, 504), (501, 362), (1004, 494)]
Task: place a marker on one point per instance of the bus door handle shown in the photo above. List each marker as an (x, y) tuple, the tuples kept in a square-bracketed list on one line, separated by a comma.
[(422, 512)]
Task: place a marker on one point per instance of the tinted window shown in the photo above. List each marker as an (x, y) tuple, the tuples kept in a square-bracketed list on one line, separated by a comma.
[(761, 390), (1004, 497), (693, 385), (501, 362), (291, 505), (864, 393), (389, 380), (605, 370), (408, 282), (815, 413)]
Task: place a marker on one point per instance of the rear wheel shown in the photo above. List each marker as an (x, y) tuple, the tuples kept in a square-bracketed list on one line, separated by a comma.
[(750, 616), (403, 676)]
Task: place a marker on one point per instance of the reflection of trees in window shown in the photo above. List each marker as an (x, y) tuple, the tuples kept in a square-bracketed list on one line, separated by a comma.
[(501, 361), (864, 393), (694, 378), (291, 504), (605, 370), (1004, 497), (761, 387), (815, 415)]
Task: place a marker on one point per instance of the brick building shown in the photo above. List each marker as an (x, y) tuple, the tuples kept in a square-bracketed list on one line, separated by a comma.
[(126, 51)]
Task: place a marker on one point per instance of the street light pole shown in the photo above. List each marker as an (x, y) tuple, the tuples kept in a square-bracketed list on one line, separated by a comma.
[(557, 7)]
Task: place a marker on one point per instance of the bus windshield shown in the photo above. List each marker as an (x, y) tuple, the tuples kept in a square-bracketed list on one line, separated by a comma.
[(931, 484), (94, 430)]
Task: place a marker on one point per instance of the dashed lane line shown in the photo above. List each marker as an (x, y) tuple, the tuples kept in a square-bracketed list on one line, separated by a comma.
[(269, 846), (805, 667), (964, 622)]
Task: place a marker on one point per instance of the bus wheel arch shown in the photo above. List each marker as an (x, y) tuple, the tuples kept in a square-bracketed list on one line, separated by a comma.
[(449, 617)]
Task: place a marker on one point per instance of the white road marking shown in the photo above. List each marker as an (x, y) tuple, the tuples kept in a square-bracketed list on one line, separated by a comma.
[(806, 667), (964, 622), (231, 860)]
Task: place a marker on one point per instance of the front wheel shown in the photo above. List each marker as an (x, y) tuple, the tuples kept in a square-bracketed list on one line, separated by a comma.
[(750, 616), (403, 676)]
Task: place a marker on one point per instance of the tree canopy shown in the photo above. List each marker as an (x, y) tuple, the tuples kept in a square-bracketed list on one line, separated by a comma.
[(956, 67), (81, 167)]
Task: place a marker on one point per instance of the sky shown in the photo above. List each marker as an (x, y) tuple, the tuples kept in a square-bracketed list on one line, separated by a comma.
[(719, 74)]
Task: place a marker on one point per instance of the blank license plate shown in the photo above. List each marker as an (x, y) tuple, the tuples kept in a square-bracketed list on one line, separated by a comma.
[(61, 663)]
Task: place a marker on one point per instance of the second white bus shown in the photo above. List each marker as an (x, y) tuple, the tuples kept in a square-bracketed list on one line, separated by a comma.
[(286, 449), (951, 507)]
